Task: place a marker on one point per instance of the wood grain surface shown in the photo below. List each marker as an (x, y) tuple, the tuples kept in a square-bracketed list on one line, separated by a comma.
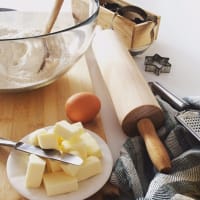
[(21, 113)]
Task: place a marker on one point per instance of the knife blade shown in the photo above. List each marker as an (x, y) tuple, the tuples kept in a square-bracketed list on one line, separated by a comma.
[(45, 153)]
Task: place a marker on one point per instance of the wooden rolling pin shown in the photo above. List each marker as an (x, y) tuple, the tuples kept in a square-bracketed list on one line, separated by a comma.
[(135, 104)]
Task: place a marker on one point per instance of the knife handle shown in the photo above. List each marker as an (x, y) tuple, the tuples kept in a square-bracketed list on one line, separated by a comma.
[(6, 142), (155, 148)]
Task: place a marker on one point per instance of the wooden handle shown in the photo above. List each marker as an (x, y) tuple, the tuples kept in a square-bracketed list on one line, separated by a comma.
[(155, 148), (54, 14)]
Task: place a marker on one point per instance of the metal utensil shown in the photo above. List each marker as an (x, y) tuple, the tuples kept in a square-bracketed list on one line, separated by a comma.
[(177, 103), (47, 153), (188, 117)]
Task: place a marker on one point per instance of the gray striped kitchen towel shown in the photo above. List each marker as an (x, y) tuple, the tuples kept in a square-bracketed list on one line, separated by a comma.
[(136, 177)]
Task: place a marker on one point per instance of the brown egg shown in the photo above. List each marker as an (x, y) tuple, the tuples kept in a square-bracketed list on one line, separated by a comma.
[(83, 107)]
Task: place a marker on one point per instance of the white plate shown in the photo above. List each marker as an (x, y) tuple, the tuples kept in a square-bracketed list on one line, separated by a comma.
[(16, 169)]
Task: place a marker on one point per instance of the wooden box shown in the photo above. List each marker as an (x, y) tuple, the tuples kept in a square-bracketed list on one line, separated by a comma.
[(136, 36)]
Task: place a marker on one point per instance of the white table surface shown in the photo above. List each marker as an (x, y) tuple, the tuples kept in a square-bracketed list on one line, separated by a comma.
[(178, 39)]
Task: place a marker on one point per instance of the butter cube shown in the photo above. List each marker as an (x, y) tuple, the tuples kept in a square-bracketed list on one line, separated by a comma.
[(59, 183), (67, 130), (74, 152), (48, 140), (80, 131), (91, 167), (92, 146), (78, 124), (33, 138), (35, 171), (70, 169), (79, 146), (65, 146), (53, 165)]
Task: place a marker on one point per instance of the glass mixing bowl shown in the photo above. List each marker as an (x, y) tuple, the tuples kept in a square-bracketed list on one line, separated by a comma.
[(30, 58)]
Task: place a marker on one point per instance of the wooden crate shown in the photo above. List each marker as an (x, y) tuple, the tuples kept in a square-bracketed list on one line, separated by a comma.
[(135, 36)]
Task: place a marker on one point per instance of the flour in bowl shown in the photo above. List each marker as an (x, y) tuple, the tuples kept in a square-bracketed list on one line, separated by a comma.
[(25, 61)]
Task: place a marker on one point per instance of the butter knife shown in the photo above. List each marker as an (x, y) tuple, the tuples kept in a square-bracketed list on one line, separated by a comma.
[(45, 153)]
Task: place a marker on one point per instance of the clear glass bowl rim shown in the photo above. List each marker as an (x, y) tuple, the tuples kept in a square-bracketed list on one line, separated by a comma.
[(84, 22)]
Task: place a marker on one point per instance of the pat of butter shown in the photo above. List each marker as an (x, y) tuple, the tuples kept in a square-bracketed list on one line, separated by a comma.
[(81, 147), (67, 130), (59, 183), (48, 140), (33, 137), (92, 146), (70, 169), (53, 165), (35, 171), (65, 146), (91, 167)]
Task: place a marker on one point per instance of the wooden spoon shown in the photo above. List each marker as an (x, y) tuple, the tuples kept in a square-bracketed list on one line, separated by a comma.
[(51, 21), (53, 17)]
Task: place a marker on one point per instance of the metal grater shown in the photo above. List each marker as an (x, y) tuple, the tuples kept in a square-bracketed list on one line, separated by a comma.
[(191, 121), (187, 116)]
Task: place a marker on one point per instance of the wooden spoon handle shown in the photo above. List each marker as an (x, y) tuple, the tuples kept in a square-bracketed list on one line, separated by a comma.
[(155, 148), (54, 14)]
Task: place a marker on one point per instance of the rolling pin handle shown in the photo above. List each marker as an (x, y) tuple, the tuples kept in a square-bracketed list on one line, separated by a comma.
[(155, 148)]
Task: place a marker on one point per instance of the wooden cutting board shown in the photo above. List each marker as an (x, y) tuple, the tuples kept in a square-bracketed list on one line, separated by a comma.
[(21, 113)]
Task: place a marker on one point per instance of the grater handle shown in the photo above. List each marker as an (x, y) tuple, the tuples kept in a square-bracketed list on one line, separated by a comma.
[(174, 101)]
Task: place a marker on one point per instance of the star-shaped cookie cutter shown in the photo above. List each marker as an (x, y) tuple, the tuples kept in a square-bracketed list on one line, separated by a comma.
[(157, 64)]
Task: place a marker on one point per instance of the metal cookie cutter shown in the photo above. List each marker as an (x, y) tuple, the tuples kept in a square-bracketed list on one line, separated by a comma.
[(157, 64)]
